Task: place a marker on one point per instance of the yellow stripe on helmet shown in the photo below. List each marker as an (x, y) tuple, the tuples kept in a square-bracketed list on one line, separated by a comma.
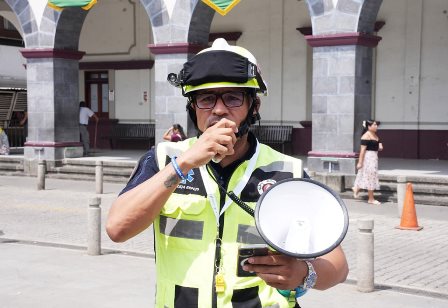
[(251, 83)]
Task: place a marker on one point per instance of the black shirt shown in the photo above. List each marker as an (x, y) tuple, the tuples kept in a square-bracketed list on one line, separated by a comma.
[(372, 145)]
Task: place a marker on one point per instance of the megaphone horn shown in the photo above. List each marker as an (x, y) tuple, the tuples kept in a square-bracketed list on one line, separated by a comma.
[(301, 218)]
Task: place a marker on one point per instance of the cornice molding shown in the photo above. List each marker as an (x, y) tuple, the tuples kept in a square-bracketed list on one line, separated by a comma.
[(342, 39), (36, 53), (117, 65), (308, 30), (175, 48)]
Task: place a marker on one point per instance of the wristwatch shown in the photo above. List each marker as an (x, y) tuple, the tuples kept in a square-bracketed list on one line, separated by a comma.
[(311, 278)]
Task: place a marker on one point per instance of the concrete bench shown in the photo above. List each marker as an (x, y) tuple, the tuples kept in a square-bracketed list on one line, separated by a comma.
[(273, 134)]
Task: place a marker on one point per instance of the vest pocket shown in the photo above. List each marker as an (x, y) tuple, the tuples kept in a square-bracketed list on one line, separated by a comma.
[(184, 205), (181, 223), (246, 298), (186, 297)]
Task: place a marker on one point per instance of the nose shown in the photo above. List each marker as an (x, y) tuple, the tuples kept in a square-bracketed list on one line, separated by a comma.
[(220, 107)]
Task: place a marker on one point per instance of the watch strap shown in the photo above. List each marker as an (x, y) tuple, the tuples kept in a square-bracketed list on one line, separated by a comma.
[(311, 277)]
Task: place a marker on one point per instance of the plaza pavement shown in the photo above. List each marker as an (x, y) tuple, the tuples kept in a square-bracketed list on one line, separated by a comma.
[(43, 262)]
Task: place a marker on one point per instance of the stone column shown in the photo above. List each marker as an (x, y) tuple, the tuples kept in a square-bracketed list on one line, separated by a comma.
[(53, 105), (342, 88), (169, 102)]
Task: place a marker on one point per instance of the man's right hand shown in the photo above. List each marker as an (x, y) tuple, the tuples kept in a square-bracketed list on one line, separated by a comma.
[(215, 143)]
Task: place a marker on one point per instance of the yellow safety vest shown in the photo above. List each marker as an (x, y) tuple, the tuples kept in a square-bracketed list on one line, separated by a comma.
[(187, 229)]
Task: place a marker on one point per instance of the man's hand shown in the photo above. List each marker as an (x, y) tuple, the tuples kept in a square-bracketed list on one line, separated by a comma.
[(215, 143), (278, 270), (287, 273)]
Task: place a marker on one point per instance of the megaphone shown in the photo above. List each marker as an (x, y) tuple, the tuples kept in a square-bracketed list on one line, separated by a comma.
[(301, 218)]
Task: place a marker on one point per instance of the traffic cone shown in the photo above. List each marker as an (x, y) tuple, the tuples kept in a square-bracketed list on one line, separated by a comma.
[(409, 215)]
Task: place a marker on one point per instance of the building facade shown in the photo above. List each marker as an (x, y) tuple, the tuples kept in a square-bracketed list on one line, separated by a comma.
[(329, 64)]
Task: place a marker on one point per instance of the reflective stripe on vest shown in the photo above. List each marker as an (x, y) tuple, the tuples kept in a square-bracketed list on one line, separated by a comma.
[(181, 228)]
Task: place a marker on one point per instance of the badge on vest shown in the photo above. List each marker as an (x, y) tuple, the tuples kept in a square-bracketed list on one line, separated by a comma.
[(264, 185)]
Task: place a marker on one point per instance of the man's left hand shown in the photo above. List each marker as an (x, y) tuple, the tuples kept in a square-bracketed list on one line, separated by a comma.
[(278, 270)]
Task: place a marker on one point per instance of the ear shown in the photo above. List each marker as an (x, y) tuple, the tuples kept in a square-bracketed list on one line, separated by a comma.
[(257, 103), (256, 114)]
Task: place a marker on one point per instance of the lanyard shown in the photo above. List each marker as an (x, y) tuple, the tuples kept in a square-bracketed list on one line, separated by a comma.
[(208, 183)]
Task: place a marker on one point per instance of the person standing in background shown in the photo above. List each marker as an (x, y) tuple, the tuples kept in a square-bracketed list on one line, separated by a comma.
[(367, 177), (84, 114), (175, 133), (4, 143), (24, 123)]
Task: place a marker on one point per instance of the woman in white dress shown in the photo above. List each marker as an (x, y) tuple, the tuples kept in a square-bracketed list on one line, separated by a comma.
[(367, 177)]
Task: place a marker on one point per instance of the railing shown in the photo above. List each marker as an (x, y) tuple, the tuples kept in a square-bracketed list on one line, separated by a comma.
[(16, 136), (273, 134), (121, 131)]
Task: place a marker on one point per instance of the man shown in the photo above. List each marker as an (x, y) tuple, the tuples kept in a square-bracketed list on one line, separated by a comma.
[(84, 114), (197, 229)]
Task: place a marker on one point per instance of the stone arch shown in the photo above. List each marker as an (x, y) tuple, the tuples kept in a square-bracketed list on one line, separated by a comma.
[(7, 13), (346, 16), (157, 12), (368, 14), (189, 23), (57, 29), (200, 24), (68, 29), (319, 7), (25, 16), (159, 19)]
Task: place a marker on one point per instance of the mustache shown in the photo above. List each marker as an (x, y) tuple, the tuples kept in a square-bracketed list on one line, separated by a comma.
[(213, 120)]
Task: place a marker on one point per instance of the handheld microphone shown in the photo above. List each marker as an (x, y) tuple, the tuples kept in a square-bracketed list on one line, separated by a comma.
[(242, 130)]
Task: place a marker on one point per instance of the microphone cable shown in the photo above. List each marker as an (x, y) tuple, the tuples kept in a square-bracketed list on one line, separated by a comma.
[(230, 194)]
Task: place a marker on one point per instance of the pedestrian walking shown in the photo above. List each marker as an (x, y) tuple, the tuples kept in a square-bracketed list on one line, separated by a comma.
[(367, 177)]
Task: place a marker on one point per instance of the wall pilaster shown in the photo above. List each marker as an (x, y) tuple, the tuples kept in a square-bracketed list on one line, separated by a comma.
[(342, 90), (169, 102), (53, 106)]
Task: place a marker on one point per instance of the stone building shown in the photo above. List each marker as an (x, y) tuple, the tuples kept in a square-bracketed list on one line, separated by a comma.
[(329, 64)]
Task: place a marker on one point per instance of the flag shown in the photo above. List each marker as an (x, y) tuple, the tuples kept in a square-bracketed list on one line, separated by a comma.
[(221, 6), (60, 4)]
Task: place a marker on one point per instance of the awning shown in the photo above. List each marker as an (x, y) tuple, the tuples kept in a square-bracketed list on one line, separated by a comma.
[(221, 6), (60, 4)]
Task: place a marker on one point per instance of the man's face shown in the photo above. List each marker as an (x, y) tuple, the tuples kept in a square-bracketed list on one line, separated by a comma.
[(226, 106)]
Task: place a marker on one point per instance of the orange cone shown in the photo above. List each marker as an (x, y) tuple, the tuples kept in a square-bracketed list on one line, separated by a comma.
[(409, 215)]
